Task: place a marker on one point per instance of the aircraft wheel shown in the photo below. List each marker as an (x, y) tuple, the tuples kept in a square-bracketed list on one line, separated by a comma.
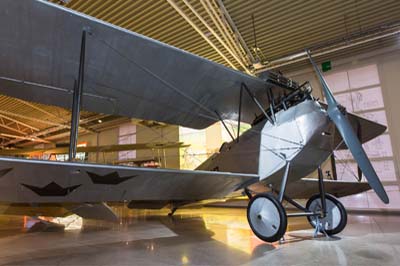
[(336, 216), (267, 217)]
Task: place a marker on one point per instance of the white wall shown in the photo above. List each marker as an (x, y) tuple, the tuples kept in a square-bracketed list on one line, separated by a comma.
[(107, 137)]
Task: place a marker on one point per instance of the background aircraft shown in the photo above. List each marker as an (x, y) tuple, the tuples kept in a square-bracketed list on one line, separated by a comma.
[(103, 148)]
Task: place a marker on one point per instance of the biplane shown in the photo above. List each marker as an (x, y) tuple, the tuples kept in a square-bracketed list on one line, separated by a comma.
[(52, 55)]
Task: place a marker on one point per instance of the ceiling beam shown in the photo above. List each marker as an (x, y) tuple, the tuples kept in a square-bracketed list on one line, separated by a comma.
[(19, 122), (225, 14), (212, 31), (3, 125), (64, 120), (23, 135), (47, 122), (226, 32), (200, 32), (33, 106), (24, 138), (56, 128)]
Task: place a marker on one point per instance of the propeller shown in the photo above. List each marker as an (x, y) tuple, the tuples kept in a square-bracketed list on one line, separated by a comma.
[(339, 118)]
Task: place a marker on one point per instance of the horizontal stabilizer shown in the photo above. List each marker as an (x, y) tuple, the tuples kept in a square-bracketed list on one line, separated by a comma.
[(365, 128), (306, 187)]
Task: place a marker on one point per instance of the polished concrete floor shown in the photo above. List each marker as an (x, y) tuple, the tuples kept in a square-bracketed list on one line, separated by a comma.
[(207, 236)]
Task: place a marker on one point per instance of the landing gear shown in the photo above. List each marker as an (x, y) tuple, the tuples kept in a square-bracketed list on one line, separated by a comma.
[(267, 217), (173, 210), (335, 218)]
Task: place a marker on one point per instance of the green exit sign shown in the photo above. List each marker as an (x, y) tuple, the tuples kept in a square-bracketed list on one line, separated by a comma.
[(326, 66)]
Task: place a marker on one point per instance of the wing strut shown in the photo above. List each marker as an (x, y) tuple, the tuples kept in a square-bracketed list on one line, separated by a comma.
[(253, 97), (256, 102), (223, 123), (77, 103)]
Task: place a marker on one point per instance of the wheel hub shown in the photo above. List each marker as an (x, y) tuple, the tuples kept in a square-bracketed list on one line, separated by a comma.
[(267, 217)]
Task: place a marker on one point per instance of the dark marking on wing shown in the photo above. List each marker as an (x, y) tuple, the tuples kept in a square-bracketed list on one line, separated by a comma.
[(52, 190), (3, 172), (112, 178)]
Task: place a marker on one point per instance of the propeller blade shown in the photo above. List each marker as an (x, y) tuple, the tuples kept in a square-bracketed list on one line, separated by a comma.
[(356, 149), (350, 138), (359, 136)]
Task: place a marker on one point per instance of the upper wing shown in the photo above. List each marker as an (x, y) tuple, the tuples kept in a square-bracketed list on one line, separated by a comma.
[(23, 181), (126, 73)]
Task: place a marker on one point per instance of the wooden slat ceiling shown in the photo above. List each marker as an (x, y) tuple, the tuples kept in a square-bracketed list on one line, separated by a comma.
[(282, 27)]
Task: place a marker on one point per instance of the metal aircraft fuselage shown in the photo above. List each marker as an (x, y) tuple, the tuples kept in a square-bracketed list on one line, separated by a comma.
[(302, 135)]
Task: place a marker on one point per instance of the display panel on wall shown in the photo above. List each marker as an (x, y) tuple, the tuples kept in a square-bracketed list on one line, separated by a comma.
[(359, 90)]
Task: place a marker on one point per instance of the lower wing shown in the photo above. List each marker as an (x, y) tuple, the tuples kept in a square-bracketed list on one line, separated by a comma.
[(34, 181)]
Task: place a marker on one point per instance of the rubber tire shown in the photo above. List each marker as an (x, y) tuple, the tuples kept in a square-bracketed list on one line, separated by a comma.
[(282, 215), (343, 214)]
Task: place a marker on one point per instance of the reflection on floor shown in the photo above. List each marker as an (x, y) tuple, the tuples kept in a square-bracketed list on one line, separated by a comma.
[(207, 236)]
